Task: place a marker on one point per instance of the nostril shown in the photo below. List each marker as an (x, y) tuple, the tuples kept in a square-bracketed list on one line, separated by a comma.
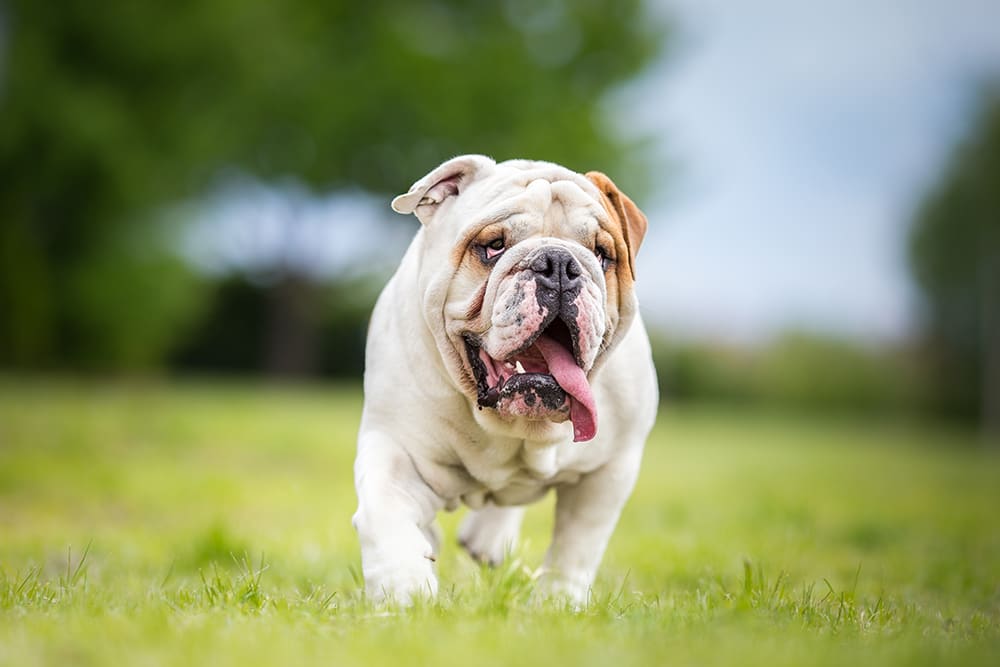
[(543, 266), (572, 269)]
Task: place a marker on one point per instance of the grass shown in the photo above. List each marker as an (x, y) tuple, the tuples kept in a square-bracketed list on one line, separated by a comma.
[(209, 523)]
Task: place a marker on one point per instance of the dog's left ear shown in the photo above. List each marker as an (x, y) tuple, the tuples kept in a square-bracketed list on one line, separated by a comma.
[(447, 180), (633, 222)]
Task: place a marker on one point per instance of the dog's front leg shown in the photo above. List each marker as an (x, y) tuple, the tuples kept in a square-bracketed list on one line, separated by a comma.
[(396, 510), (586, 514)]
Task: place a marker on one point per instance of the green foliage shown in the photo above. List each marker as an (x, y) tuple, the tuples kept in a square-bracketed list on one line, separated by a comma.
[(797, 371), (130, 302), (107, 116), (955, 255), (218, 523), (825, 373)]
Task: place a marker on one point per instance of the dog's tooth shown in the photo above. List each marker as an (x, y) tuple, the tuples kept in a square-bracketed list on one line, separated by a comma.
[(518, 367)]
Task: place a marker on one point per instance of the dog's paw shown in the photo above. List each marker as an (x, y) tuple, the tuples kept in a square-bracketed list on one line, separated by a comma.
[(401, 583), (563, 588), (490, 533)]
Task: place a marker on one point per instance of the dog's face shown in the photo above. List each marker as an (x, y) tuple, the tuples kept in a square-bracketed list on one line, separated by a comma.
[(526, 280)]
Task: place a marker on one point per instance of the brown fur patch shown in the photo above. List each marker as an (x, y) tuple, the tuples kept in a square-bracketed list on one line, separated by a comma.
[(632, 223)]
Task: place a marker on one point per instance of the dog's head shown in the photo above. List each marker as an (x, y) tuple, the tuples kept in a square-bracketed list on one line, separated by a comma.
[(526, 279)]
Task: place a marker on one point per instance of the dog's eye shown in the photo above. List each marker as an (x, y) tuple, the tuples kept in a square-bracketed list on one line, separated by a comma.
[(604, 257), (494, 247)]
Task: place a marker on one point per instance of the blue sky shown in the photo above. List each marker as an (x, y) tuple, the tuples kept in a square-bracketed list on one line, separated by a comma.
[(803, 135)]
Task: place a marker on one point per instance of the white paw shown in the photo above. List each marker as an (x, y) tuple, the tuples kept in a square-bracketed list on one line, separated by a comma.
[(402, 583), (490, 533), (574, 589)]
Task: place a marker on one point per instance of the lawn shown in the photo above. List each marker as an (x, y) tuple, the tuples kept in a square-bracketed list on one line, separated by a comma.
[(178, 522)]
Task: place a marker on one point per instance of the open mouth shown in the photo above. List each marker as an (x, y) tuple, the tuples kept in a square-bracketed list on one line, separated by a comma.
[(541, 379)]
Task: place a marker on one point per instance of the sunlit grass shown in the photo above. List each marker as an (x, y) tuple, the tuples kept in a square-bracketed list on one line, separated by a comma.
[(210, 523)]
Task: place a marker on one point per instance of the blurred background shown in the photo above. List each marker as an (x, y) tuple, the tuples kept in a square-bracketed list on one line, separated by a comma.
[(201, 188)]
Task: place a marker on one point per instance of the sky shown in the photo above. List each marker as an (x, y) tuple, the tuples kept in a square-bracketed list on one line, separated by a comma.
[(801, 137)]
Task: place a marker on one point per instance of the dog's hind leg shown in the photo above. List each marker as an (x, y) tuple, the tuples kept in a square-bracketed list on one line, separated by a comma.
[(490, 533)]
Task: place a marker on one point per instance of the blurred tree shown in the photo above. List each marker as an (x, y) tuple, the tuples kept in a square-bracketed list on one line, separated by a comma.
[(955, 253), (799, 371), (238, 338), (106, 115)]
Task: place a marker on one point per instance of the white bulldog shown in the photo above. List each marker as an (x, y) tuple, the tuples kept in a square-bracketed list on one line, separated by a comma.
[(505, 357)]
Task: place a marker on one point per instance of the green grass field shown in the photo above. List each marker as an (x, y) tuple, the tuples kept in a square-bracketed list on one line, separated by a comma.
[(209, 523)]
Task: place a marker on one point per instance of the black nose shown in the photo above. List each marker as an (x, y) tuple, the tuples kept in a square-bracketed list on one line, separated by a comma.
[(556, 269)]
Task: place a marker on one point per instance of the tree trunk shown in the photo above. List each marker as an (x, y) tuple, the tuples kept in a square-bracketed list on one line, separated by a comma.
[(293, 328)]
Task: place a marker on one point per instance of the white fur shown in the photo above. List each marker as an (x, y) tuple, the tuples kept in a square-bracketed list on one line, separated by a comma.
[(424, 446)]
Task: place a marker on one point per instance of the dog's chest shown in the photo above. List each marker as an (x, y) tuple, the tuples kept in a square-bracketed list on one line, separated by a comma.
[(515, 474)]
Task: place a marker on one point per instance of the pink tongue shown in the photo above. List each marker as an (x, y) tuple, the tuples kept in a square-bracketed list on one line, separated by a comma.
[(572, 379)]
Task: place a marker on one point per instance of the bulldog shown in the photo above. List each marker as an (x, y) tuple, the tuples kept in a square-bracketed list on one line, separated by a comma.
[(505, 357)]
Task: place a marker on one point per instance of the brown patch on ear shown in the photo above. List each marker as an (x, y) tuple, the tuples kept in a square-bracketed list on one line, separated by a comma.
[(632, 221)]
